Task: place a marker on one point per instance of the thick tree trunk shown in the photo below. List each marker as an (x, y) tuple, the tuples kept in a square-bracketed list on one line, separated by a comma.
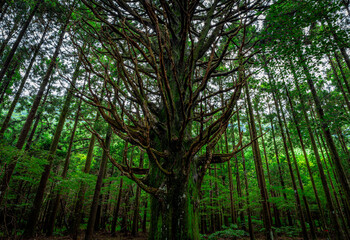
[(176, 214)]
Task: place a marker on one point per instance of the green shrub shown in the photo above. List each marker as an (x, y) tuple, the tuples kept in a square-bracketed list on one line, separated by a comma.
[(228, 232)]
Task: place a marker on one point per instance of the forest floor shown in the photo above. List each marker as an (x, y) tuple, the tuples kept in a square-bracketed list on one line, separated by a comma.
[(144, 236)]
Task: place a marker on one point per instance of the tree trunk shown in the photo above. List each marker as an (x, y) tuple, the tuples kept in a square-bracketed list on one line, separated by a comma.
[(14, 66), (339, 83), (326, 131), (95, 201), (335, 223), (307, 208), (345, 79), (289, 217), (9, 36), (135, 220), (306, 158), (296, 194), (339, 43), (23, 82), (51, 224), (273, 194), (144, 221), (77, 215), (30, 228), (31, 114), (18, 40), (176, 214), (238, 181), (117, 207), (3, 9), (38, 117), (259, 171), (249, 214)]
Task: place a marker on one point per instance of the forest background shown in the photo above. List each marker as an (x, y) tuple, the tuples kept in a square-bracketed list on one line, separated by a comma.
[(175, 119)]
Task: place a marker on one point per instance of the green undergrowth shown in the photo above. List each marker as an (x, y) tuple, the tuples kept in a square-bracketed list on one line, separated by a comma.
[(230, 232)]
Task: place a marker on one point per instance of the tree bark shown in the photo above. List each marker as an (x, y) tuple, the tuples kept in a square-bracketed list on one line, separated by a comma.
[(301, 185), (175, 216), (9, 36), (38, 117), (339, 83), (345, 79)]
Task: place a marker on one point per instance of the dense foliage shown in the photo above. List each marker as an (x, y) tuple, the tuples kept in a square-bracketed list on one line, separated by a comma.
[(175, 119)]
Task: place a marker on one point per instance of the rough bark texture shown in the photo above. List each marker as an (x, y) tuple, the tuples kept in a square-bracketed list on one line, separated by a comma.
[(176, 214)]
